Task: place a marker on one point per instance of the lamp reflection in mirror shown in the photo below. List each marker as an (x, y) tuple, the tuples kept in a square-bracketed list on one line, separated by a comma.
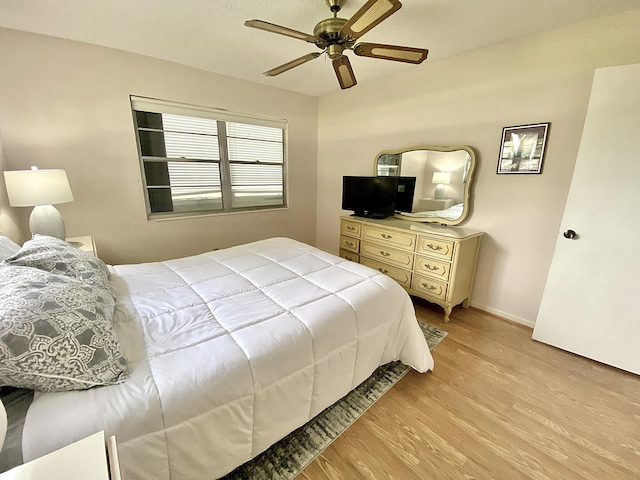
[(40, 189), (442, 179)]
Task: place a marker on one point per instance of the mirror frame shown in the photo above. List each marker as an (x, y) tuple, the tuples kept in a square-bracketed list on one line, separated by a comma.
[(467, 188)]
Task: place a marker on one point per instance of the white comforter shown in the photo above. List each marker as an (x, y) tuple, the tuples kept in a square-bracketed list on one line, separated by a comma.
[(228, 352)]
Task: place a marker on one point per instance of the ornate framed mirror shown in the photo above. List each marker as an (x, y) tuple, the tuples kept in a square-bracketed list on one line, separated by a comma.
[(443, 177)]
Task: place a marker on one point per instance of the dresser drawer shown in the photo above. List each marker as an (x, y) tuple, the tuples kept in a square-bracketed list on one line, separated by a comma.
[(392, 256), (406, 241), (435, 247), (350, 243), (430, 287), (403, 277), (347, 255), (350, 228), (433, 268)]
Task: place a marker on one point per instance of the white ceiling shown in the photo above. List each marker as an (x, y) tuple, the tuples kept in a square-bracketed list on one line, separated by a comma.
[(210, 34)]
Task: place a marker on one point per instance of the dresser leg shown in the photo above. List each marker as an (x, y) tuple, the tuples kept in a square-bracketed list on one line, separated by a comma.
[(465, 304), (447, 312)]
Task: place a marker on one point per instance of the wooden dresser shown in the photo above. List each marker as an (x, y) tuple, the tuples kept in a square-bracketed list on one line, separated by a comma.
[(433, 262)]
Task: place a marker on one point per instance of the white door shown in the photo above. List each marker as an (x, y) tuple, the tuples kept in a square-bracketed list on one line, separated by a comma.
[(591, 301)]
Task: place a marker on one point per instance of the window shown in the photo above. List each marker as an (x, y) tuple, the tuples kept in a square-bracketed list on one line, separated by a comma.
[(197, 160)]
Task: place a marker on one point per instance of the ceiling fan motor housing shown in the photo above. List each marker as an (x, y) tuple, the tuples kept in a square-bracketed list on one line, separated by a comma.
[(328, 34)]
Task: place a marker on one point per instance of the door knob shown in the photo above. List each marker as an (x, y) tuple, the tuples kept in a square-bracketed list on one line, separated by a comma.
[(570, 234)]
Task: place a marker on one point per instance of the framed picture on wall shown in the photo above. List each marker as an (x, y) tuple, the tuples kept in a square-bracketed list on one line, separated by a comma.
[(522, 148)]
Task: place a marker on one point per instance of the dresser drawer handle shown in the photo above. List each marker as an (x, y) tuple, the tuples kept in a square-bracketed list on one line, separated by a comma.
[(383, 270), (351, 227), (434, 247), (426, 286), (350, 244), (433, 269), (385, 254), (386, 236)]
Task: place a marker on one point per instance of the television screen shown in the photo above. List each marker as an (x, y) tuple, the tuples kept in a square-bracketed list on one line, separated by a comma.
[(369, 196), (404, 194)]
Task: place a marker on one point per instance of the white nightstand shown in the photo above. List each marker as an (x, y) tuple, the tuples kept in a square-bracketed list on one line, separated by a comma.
[(435, 203), (83, 460), (85, 243)]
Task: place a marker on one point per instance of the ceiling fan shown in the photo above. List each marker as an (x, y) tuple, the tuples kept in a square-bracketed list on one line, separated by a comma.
[(335, 35)]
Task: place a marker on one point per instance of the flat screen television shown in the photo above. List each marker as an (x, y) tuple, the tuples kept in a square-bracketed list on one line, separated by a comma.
[(373, 197), (404, 194)]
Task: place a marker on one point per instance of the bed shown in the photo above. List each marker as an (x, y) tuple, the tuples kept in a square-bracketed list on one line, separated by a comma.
[(220, 355)]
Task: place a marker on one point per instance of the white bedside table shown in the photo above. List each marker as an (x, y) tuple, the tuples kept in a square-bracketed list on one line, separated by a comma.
[(85, 243), (82, 460)]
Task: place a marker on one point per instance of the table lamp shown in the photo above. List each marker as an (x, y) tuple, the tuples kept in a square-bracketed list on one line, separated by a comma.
[(442, 179), (40, 189)]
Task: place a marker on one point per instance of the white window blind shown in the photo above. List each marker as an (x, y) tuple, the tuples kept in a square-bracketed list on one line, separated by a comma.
[(197, 159)]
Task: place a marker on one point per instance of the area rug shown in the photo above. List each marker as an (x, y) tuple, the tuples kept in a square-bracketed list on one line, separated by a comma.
[(285, 459)]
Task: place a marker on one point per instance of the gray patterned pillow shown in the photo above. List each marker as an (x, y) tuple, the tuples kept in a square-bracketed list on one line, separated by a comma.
[(57, 256), (56, 332)]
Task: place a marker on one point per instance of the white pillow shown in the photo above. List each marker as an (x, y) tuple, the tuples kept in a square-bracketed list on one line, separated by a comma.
[(7, 247)]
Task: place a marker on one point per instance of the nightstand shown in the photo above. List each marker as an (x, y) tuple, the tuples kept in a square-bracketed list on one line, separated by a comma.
[(92, 458), (434, 203), (85, 244)]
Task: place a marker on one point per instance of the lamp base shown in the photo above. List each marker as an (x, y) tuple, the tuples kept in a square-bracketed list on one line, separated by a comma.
[(439, 191), (46, 220)]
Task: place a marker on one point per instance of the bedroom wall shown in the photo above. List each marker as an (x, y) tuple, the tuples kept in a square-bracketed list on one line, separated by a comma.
[(467, 100), (65, 104), (8, 216)]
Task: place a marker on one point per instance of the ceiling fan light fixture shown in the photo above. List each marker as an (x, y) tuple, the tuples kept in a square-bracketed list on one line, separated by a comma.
[(335, 51)]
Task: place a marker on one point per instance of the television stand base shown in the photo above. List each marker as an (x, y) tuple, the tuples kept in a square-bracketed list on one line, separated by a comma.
[(376, 216)]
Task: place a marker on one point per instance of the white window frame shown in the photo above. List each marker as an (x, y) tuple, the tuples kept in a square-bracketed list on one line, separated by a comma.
[(222, 117)]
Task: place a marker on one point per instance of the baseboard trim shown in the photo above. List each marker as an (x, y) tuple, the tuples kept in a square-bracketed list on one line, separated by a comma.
[(505, 315)]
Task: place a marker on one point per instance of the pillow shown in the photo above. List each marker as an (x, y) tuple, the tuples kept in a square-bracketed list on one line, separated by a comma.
[(56, 332), (57, 256), (7, 247)]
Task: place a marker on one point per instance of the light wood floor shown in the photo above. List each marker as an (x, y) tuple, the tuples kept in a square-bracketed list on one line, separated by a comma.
[(498, 405)]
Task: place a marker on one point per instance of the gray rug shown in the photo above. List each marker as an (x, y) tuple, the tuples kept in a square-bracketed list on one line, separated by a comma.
[(285, 459)]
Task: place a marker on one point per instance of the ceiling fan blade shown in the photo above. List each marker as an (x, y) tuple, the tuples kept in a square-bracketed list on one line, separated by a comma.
[(370, 14), (293, 63), (273, 28), (344, 72), (391, 52)]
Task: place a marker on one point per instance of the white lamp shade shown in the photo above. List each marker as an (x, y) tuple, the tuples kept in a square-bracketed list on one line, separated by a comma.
[(28, 188), (441, 177)]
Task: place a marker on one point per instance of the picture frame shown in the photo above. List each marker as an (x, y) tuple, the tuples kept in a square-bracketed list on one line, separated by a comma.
[(522, 148)]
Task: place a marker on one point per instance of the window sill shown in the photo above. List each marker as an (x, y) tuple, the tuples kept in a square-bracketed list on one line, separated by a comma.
[(167, 217)]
